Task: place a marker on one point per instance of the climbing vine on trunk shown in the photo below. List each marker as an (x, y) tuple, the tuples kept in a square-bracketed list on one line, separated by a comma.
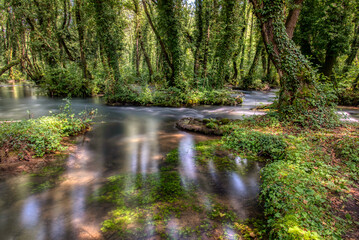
[(300, 97)]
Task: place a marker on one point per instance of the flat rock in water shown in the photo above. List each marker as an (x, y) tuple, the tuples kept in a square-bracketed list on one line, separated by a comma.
[(198, 126)]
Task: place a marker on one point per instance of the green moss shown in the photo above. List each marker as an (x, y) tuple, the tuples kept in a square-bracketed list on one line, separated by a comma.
[(213, 151), (47, 177), (146, 204)]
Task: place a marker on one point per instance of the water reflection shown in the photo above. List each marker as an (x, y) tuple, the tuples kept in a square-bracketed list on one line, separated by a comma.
[(30, 212), (237, 184), (186, 156)]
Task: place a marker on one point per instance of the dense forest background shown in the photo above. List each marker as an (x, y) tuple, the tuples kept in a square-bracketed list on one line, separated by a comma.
[(89, 47)]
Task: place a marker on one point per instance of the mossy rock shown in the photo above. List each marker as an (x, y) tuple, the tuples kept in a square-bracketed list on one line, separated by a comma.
[(204, 126)]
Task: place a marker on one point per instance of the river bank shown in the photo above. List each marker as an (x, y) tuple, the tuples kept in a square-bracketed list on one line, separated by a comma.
[(28, 146), (309, 185)]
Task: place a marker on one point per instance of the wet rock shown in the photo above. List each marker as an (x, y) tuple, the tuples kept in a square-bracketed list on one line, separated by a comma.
[(204, 126)]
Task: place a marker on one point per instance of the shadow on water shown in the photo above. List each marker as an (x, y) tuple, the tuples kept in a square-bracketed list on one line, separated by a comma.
[(126, 140)]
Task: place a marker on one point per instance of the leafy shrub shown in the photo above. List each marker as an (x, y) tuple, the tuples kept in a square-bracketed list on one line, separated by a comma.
[(42, 135), (171, 97), (296, 200), (261, 144), (349, 97), (65, 82), (312, 108)]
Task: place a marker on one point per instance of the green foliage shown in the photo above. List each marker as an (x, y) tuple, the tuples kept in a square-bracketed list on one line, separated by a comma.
[(65, 82), (42, 135), (319, 33), (348, 97), (172, 97), (213, 151), (298, 187), (296, 199), (312, 107), (347, 148), (261, 144)]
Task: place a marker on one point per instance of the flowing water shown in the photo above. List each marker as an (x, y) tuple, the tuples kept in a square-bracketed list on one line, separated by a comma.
[(123, 140)]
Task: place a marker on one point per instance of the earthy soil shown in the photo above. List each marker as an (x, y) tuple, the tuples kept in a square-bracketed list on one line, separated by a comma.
[(12, 165)]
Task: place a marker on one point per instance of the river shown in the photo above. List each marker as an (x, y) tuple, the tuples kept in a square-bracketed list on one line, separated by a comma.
[(129, 140)]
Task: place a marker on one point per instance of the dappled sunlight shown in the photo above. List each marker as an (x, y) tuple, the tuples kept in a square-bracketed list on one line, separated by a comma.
[(230, 234)]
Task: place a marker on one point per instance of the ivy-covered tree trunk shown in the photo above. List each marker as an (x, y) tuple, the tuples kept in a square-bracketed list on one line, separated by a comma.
[(248, 80), (354, 49), (199, 35), (81, 32), (298, 94), (164, 52), (225, 49), (9, 66), (170, 28), (105, 18)]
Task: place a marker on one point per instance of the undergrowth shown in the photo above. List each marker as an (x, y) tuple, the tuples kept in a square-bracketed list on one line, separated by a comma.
[(172, 97), (305, 171), (37, 137)]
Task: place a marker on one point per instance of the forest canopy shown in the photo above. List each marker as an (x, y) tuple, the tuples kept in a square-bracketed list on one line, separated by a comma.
[(88, 47)]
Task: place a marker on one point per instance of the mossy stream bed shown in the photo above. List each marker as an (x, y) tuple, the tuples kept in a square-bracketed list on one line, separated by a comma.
[(203, 193)]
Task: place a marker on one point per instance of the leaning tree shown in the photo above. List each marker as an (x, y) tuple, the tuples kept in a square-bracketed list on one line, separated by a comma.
[(299, 96)]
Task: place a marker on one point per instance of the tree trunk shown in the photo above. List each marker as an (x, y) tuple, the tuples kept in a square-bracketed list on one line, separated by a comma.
[(330, 60), (80, 30), (199, 37), (292, 18), (248, 80), (264, 61), (251, 38), (356, 83), (162, 44), (137, 36), (9, 66), (296, 76), (244, 45), (235, 68), (105, 21), (147, 58), (206, 49), (353, 50)]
